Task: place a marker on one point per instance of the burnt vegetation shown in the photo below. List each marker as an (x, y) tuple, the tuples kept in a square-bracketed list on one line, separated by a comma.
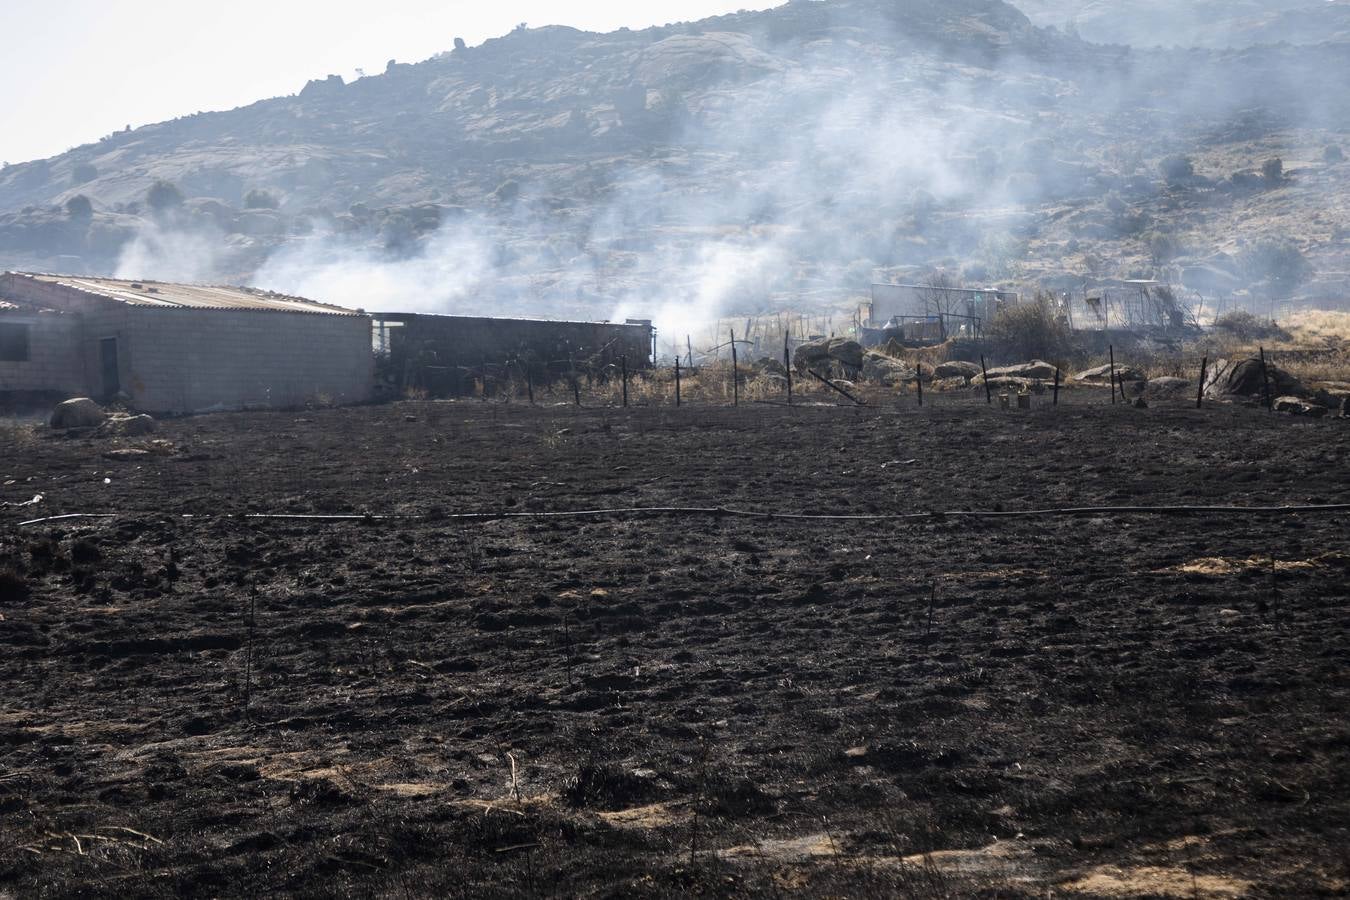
[(656, 706)]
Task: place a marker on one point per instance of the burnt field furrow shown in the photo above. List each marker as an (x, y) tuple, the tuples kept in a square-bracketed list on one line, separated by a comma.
[(663, 705)]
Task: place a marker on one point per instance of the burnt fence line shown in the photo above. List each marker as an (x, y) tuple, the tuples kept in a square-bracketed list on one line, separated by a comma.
[(527, 376)]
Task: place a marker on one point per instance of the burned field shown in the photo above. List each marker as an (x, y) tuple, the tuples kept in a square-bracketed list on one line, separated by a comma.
[(200, 703)]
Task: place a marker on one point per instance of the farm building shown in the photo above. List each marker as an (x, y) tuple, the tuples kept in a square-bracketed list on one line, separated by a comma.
[(943, 311), (175, 348), (448, 355)]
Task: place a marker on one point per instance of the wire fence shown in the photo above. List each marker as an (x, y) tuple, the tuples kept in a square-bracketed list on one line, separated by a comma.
[(791, 382)]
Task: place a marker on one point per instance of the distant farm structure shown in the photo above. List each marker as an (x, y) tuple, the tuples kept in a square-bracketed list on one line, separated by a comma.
[(932, 313), (168, 348), (444, 356)]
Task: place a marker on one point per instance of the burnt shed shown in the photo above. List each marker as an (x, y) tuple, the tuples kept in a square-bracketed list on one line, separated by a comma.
[(178, 348), (446, 355)]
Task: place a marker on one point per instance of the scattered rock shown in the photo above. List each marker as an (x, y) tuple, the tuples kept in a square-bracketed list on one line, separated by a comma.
[(1227, 379), (847, 351), (1034, 370), (126, 454), (949, 384), (1297, 406), (1009, 382), (884, 370), (1331, 394), (1101, 375), (958, 369), (811, 354), (129, 426), (81, 412), (1166, 387)]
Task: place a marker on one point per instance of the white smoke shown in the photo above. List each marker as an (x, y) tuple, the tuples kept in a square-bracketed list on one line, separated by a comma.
[(165, 251), (443, 276)]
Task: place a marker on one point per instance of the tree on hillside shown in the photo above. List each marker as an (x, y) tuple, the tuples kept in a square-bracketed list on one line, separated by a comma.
[(1278, 263), (164, 196), (1272, 170), (260, 199), (1177, 168), (79, 207)]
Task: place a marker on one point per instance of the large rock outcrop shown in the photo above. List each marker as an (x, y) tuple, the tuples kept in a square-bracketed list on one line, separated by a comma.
[(80, 412), (1243, 379)]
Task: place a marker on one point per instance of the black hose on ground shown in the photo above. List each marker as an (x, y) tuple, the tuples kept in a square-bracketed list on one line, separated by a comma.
[(653, 511)]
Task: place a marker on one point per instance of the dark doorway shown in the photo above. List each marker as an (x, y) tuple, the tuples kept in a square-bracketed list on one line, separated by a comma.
[(112, 384)]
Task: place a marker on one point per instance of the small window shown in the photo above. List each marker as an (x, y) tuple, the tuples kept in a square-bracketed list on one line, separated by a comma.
[(13, 343)]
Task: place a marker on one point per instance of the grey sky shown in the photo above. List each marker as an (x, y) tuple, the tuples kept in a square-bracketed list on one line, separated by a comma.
[(75, 70)]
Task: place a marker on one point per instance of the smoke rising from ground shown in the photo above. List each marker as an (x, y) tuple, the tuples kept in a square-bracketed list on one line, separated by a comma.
[(444, 276), (849, 147)]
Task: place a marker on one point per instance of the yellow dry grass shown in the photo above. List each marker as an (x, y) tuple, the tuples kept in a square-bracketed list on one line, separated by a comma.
[(1217, 566), (1157, 881), (1319, 327)]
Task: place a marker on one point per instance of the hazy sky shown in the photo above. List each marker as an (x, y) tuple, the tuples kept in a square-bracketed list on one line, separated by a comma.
[(75, 70)]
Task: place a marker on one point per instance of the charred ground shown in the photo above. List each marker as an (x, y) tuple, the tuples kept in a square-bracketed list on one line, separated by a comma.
[(658, 706)]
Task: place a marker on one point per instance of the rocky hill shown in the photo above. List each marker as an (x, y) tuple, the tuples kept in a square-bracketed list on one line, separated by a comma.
[(1196, 23), (745, 163)]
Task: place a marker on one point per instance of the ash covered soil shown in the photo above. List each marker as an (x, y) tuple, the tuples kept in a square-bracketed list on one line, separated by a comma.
[(672, 705)]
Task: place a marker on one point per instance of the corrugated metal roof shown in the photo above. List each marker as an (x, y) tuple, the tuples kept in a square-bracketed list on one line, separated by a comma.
[(5, 304), (190, 296)]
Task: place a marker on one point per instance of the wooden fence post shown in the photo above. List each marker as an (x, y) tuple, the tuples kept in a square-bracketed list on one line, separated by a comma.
[(1056, 386), (1265, 381), (1200, 391), (677, 381), (918, 380), (988, 393), (1112, 350), (787, 366), (623, 363), (735, 375)]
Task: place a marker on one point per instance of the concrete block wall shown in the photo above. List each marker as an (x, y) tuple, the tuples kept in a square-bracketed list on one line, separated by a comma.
[(195, 360), (54, 363), (471, 340)]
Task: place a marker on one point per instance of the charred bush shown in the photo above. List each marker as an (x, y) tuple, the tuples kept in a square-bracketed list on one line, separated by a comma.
[(607, 786), (732, 798), (1272, 170), (1278, 263), (1030, 331), (13, 586), (1245, 326), (1177, 168), (83, 551)]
